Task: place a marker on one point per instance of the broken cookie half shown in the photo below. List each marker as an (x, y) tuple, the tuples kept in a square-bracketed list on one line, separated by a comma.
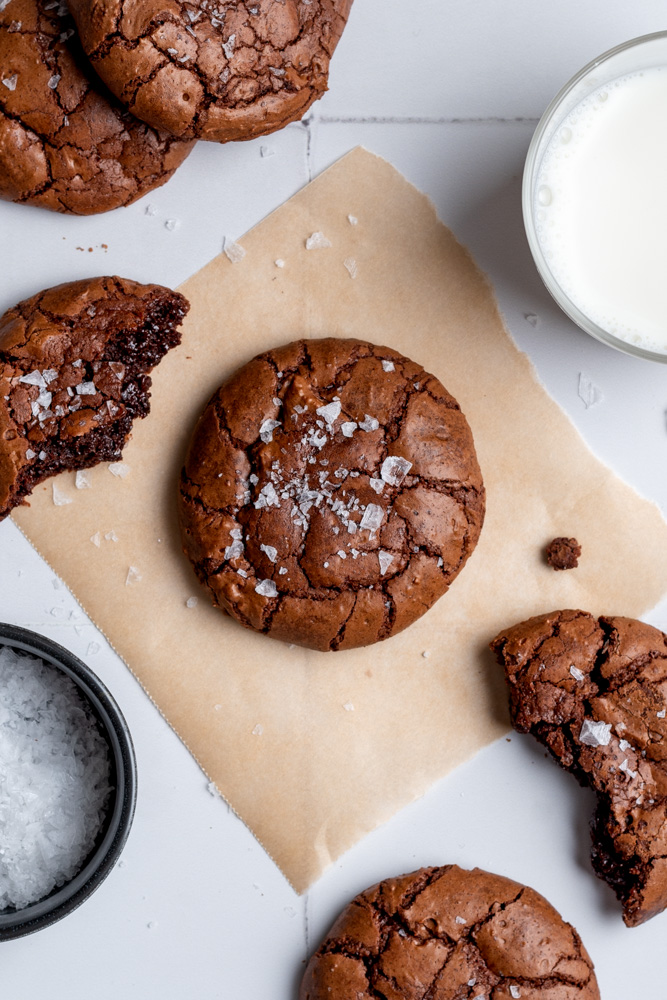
[(73, 375), (594, 692)]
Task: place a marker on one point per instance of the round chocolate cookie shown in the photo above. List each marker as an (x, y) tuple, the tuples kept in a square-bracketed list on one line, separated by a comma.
[(451, 934), (73, 375), (331, 493), (65, 142), (213, 69)]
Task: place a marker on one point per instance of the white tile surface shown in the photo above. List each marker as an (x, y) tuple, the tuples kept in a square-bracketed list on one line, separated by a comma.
[(225, 923)]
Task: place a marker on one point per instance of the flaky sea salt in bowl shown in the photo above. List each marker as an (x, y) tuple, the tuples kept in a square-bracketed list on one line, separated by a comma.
[(67, 782)]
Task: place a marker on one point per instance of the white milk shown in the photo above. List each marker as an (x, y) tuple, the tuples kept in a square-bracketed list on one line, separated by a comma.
[(601, 207)]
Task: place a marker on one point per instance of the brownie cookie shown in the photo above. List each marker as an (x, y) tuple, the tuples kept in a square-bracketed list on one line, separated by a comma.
[(213, 69), (450, 934), (563, 553), (594, 692), (65, 142), (73, 363), (331, 493)]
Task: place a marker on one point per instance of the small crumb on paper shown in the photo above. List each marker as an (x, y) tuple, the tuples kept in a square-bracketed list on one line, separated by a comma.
[(589, 393), (82, 480), (234, 251), (119, 469), (351, 267), (317, 241), (60, 498), (133, 576)]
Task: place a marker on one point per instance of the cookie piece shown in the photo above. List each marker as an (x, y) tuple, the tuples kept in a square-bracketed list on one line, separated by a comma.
[(594, 692), (73, 364), (331, 493), (563, 553), (217, 70), (450, 933), (65, 142)]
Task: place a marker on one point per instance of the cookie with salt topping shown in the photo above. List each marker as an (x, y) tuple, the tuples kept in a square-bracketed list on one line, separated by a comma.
[(450, 934), (213, 69), (66, 143), (331, 493)]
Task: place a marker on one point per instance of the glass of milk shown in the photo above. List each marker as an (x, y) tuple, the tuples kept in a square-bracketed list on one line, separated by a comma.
[(595, 197)]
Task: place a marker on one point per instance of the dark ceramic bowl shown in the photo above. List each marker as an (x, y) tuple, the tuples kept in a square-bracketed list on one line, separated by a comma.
[(123, 779)]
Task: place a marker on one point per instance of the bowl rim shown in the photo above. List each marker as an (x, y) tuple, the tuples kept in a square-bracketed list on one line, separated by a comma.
[(55, 906), (530, 174)]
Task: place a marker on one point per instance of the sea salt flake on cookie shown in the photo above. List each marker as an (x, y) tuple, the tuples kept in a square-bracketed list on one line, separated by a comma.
[(395, 469), (595, 734), (266, 588)]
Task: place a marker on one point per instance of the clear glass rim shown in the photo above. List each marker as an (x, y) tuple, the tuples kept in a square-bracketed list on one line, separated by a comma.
[(529, 174)]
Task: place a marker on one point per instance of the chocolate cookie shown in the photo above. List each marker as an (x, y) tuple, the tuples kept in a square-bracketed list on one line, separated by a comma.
[(331, 493), (594, 692), (213, 69), (450, 934), (65, 142), (73, 363)]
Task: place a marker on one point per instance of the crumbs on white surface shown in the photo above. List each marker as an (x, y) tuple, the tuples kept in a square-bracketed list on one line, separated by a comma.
[(532, 319), (151, 210), (172, 224), (351, 266), (55, 779), (133, 576), (59, 498), (595, 734), (82, 479), (317, 241), (93, 648), (234, 251), (589, 393), (119, 469)]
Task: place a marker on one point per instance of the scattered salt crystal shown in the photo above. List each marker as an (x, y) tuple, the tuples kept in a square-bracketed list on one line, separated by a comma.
[(372, 518), (270, 551), (86, 389), (111, 536), (624, 766), (30, 454), (234, 251), (258, 730), (93, 647), (192, 602), (515, 992), (279, 262), (577, 673), (133, 576), (353, 220), (266, 588), (234, 550), (265, 151), (395, 469), (426, 654), (53, 81), (11, 81), (624, 745), (317, 241), (661, 715), (532, 319), (82, 480), (34, 378), (348, 427), (472, 982), (217, 708), (59, 498), (267, 429), (589, 393), (459, 920), (595, 734), (151, 924), (351, 266), (330, 412), (290, 911), (348, 706), (388, 366), (228, 46), (267, 497), (150, 210), (96, 539), (55, 779), (377, 485), (119, 469), (50, 375), (342, 553), (212, 790), (282, 571), (369, 423), (386, 559), (242, 573), (172, 224)]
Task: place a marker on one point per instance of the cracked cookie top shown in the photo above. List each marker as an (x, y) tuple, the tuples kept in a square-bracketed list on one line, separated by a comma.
[(452, 934), (65, 142), (331, 493), (213, 69), (594, 692)]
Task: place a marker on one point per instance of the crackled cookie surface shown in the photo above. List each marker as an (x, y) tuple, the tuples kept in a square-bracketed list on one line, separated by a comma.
[(65, 142), (213, 69), (331, 493), (73, 375), (594, 692), (450, 934)]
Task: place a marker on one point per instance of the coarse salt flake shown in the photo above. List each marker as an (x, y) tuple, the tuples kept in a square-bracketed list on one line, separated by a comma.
[(133, 576), (395, 469), (661, 715), (459, 920), (53, 81), (376, 484), (172, 224), (34, 378), (372, 518), (351, 266), (369, 423), (385, 559), (192, 602), (624, 766), (577, 673), (11, 81), (317, 241), (279, 262), (624, 745), (515, 992), (267, 497), (388, 366), (595, 734), (111, 536), (330, 412), (60, 499), (267, 429), (119, 469), (234, 251), (353, 220), (348, 706), (234, 550), (348, 427), (266, 588), (82, 480), (86, 389), (258, 730), (96, 539), (271, 552)]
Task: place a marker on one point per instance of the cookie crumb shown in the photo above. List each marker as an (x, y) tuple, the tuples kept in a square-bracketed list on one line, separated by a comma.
[(563, 553)]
